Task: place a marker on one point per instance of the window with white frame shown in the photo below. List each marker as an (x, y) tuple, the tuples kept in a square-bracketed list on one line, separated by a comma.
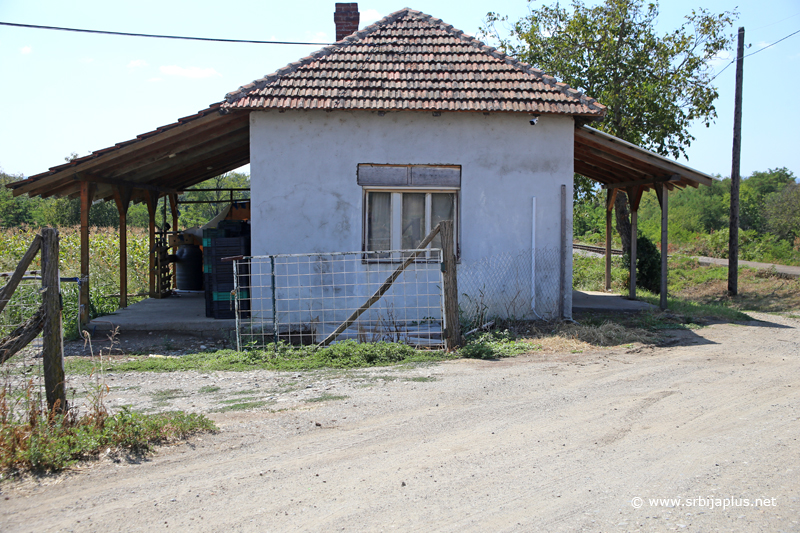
[(403, 203)]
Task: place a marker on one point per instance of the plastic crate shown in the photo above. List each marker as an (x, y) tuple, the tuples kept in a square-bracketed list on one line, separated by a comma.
[(222, 310), (225, 296)]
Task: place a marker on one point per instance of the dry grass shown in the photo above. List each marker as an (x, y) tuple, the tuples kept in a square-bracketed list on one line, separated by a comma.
[(759, 290), (572, 337)]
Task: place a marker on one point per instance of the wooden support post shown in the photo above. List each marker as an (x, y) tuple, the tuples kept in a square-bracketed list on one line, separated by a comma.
[(151, 198), (634, 197), (87, 195), (634, 238), (52, 335), (173, 205), (733, 235), (452, 333), (122, 197), (611, 196), (664, 244), (562, 275)]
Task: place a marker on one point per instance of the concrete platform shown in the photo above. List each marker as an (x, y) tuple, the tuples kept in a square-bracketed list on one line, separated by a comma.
[(185, 313), (606, 301)]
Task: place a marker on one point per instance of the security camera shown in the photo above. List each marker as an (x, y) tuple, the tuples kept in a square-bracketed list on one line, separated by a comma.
[(534, 120)]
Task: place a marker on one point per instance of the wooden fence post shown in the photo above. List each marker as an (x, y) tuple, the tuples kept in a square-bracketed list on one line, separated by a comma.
[(452, 324), (52, 335)]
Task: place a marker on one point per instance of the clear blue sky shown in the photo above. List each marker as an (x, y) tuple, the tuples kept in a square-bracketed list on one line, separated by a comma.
[(68, 92)]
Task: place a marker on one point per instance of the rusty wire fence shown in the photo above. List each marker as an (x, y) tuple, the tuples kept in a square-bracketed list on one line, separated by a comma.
[(22, 375)]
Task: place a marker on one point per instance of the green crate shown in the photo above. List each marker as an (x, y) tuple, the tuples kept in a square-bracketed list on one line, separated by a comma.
[(225, 296)]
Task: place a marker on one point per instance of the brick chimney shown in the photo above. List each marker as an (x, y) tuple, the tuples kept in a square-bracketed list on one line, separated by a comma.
[(346, 18)]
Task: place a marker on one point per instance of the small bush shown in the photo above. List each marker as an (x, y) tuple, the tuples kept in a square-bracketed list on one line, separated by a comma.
[(648, 264)]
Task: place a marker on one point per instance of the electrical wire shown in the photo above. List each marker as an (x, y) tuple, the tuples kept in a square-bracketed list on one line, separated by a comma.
[(752, 54), (125, 34)]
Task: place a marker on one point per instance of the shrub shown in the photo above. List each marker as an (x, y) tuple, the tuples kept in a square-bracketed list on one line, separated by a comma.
[(648, 264)]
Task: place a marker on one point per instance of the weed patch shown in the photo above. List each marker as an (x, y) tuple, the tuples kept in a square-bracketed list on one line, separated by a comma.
[(326, 398)]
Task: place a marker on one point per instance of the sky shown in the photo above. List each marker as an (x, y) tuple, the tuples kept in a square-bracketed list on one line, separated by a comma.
[(67, 92)]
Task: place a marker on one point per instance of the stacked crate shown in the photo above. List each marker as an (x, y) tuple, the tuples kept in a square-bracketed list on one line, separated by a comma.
[(231, 238)]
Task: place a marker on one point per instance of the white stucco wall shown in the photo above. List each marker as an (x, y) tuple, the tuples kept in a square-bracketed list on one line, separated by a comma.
[(305, 197)]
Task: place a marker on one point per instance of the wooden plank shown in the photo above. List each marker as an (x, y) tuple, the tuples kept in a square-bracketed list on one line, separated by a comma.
[(664, 245), (635, 196), (382, 289), (52, 334), (435, 176), (383, 175), (452, 333), (21, 336), (8, 289)]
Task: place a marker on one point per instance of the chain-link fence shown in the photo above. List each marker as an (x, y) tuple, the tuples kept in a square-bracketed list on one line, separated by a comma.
[(503, 286), (365, 296)]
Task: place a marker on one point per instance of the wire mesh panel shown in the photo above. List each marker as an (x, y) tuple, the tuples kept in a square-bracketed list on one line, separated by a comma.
[(22, 376), (504, 286), (304, 298)]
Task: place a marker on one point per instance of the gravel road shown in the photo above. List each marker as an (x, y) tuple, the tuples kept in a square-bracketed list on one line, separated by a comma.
[(554, 442)]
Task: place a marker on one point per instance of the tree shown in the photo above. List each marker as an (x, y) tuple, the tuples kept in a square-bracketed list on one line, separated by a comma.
[(655, 86)]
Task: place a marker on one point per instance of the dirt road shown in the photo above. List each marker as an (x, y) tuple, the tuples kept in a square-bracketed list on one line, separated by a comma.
[(534, 443)]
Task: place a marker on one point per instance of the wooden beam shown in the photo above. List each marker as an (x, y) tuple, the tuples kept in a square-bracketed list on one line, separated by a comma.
[(642, 183), (639, 155), (634, 239), (123, 183), (610, 197), (664, 245), (133, 149), (599, 159), (122, 197), (173, 206), (634, 196), (87, 195)]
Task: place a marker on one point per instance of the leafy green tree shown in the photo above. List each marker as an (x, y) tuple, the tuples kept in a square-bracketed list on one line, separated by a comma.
[(782, 211), (15, 211), (754, 192), (654, 85)]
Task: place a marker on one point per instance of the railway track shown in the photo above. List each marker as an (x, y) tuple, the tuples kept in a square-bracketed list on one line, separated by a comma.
[(595, 249)]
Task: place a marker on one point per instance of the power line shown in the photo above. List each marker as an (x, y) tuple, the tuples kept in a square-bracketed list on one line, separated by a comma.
[(752, 54), (124, 34)]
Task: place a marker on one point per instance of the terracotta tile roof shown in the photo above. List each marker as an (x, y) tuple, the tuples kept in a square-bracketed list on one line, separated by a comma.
[(412, 61)]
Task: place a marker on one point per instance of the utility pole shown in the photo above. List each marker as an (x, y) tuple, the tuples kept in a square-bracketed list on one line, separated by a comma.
[(733, 242)]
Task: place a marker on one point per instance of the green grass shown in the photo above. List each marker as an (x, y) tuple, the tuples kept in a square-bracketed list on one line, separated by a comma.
[(421, 379), (56, 442), (348, 354), (326, 398), (208, 389), (496, 344), (163, 396), (242, 406)]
